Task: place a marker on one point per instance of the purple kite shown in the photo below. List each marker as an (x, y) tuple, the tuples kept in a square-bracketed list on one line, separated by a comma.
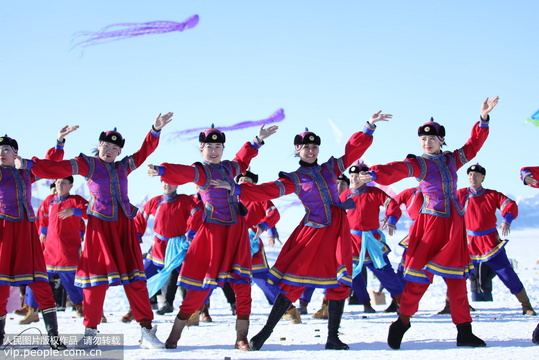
[(128, 30), (190, 134)]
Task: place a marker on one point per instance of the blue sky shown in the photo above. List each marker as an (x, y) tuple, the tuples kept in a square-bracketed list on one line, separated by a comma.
[(318, 60)]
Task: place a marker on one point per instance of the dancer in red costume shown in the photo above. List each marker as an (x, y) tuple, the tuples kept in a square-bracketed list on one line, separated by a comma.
[(111, 254), (324, 233), (220, 250), (21, 254), (437, 243)]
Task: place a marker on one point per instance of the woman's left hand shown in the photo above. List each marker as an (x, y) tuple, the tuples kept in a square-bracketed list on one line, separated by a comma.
[(162, 120)]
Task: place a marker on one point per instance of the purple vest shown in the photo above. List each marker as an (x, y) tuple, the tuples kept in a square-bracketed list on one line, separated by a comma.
[(438, 183), (16, 194), (107, 183), (316, 187), (219, 206)]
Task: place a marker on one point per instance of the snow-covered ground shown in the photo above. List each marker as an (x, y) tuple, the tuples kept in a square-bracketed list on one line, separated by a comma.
[(500, 323)]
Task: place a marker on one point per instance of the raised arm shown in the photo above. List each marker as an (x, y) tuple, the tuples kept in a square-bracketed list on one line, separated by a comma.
[(250, 150), (360, 141), (57, 152)]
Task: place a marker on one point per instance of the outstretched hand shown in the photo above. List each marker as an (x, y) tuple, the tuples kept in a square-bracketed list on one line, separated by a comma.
[(266, 133), (152, 171), (488, 106), (162, 120), (530, 180), (378, 116), (65, 131)]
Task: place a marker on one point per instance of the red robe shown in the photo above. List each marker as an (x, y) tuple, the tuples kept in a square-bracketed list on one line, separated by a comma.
[(220, 250), (63, 236), (437, 238), (174, 215), (483, 239), (266, 215), (111, 254), (319, 252), (365, 217)]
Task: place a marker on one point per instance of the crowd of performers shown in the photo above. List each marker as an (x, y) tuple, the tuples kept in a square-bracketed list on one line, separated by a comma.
[(213, 238)]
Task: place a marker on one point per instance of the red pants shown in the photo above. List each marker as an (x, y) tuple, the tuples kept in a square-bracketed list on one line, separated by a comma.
[(94, 297), (293, 293), (456, 291), (195, 298), (42, 292)]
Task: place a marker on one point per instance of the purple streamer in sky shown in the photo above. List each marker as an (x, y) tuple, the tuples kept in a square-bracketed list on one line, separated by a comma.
[(190, 134), (128, 30)]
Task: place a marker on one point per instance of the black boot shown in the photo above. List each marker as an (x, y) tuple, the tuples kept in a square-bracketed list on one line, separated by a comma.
[(535, 335), (392, 308), (277, 311), (51, 325), (2, 327), (335, 310), (396, 332), (465, 337)]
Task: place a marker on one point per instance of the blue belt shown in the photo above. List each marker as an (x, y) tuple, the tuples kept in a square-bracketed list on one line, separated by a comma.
[(482, 232)]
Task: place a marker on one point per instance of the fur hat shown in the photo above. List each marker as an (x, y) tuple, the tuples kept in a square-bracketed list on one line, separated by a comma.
[(212, 135), (307, 137), (248, 174), (356, 169), (6, 140), (345, 178), (113, 137), (477, 168), (431, 128)]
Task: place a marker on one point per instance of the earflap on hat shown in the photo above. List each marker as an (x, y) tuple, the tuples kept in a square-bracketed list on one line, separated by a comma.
[(212, 135), (113, 137), (6, 140), (307, 137), (477, 168)]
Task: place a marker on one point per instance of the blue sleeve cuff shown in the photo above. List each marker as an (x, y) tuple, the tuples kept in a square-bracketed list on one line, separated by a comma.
[(373, 174), (43, 230), (160, 170), (237, 190), (191, 234), (263, 225), (484, 123), (77, 212), (81, 233), (523, 175), (257, 143), (154, 132), (272, 232), (369, 129), (60, 144), (392, 220), (508, 218)]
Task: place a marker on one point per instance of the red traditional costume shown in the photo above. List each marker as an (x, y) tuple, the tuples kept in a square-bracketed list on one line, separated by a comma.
[(318, 253), (64, 236), (111, 255), (437, 242), (220, 250), (173, 216), (480, 217)]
